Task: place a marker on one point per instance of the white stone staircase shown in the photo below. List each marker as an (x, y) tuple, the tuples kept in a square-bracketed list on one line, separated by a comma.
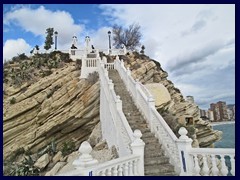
[(126, 105)]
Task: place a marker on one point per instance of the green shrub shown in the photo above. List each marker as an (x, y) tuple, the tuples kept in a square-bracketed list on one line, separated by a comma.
[(68, 148), (25, 168), (13, 100), (93, 77)]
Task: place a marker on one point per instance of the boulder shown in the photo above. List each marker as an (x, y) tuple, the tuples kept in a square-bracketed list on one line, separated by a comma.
[(55, 169), (43, 161)]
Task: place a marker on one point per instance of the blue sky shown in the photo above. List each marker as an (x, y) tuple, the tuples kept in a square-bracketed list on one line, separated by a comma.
[(195, 44)]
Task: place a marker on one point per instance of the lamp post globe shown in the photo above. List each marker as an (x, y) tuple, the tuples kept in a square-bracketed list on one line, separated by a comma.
[(109, 36), (56, 34)]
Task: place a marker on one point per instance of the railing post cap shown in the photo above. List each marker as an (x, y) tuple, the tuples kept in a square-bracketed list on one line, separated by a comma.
[(85, 148), (183, 134), (137, 134), (137, 142), (182, 131)]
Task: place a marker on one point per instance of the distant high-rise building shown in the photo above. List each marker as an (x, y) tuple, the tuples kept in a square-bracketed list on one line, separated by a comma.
[(190, 99), (231, 112), (219, 111), (223, 110), (210, 115)]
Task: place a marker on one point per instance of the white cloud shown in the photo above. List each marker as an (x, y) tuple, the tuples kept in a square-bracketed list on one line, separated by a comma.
[(195, 61), (38, 20), (14, 47)]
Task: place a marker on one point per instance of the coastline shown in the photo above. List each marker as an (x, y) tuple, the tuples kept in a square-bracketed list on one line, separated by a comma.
[(221, 123)]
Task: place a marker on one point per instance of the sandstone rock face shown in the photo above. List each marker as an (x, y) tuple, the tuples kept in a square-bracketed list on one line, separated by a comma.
[(58, 107), (160, 94)]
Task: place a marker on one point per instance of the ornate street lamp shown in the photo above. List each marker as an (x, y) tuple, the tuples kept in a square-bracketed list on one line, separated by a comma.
[(109, 36), (55, 33)]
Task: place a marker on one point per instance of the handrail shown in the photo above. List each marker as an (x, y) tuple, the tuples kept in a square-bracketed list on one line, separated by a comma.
[(117, 122), (145, 102), (104, 168)]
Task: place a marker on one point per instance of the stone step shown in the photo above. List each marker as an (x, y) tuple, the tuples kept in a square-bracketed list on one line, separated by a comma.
[(155, 153), (159, 169), (150, 140), (156, 160), (148, 134), (163, 174)]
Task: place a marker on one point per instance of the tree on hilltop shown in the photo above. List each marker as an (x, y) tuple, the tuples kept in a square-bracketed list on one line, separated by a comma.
[(129, 37), (49, 38)]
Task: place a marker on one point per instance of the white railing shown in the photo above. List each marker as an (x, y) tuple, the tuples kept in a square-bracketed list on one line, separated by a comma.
[(145, 102), (115, 128), (125, 166), (109, 66), (204, 161), (89, 65), (214, 162), (77, 53), (116, 52), (131, 165)]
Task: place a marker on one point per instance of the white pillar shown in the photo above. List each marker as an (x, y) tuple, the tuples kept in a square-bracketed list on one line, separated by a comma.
[(151, 103), (138, 149), (184, 145), (85, 161)]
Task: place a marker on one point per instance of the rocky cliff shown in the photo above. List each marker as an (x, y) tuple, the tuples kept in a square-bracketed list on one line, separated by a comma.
[(45, 101), (59, 107)]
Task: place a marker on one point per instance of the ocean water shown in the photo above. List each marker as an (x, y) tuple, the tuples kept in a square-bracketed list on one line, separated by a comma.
[(227, 141), (228, 138)]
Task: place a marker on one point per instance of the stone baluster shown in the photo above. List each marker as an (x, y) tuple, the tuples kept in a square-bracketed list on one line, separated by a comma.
[(135, 168), (85, 161), (196, 168), (120, 170), (151, 103), (119, 103), (109, 172), (128, 75), (138, 149), (232, 164), (205, 169), (184, 145), (125, 169), (130, 165), (224, 169), (115, 171), (215, 170), (137, 88)]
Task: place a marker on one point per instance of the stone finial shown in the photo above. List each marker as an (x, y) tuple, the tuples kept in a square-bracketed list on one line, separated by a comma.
[(137, 135), (183, 133), (85, 159)]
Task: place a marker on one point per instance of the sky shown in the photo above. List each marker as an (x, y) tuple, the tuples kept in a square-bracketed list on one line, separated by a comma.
[(194, 43)]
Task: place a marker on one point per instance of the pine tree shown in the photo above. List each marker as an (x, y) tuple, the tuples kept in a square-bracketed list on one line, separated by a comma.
[(49, 38)]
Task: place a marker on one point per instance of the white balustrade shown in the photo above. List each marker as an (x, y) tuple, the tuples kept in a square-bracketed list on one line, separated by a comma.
[(109, 66), (115, 127), (131, 165), (205, 161), (115, 52), (146, 104)]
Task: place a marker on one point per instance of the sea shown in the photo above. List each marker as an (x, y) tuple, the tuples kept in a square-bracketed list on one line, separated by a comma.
[(228, 137)]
